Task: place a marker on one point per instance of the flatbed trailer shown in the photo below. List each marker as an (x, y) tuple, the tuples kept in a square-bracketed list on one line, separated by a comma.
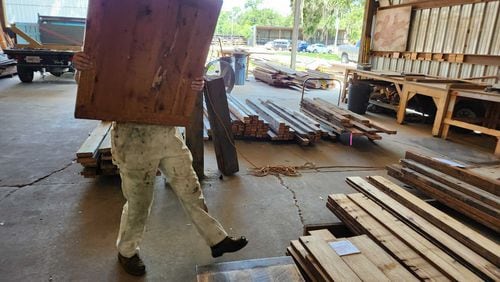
[(44, 60)]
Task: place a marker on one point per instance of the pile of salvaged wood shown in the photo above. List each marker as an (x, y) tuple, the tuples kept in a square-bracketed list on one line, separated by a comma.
[(266, 120), (428, 242), (471, 190), (281, 76), (341, 121), (95, 153), (322, 257)]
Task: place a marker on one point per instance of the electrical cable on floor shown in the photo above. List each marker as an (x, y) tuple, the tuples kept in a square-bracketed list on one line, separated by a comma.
[(276, 170)]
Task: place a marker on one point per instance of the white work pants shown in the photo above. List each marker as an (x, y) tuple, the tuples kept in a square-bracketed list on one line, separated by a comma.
[(138, 151)]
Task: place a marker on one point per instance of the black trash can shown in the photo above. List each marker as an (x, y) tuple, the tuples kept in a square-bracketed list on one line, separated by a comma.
[(359, 94)]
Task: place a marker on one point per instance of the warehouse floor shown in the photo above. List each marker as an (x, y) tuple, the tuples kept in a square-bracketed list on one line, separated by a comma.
[(57, 225)]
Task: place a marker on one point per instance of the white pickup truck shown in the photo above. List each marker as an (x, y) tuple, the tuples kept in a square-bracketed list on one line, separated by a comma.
[(348, 53)]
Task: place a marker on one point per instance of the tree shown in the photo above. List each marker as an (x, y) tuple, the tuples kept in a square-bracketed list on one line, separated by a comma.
[(323, 14), (240, 21)]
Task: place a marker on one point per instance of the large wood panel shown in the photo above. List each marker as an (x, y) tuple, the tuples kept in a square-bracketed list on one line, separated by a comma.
[(146, 54), (391, 29)]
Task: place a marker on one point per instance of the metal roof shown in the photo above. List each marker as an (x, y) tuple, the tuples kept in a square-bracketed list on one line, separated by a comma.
[(26, 11)]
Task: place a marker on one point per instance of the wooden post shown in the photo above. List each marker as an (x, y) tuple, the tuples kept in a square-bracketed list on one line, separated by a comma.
[(3, 15), (295, 32), (194, 138), (366, 35), (220, 123)]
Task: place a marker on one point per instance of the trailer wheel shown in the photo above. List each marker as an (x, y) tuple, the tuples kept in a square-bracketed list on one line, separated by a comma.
[(25, 74)]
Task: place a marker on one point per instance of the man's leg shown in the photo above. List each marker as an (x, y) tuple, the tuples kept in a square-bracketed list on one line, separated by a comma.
[(184, 182), (177, 165), (138, 167)]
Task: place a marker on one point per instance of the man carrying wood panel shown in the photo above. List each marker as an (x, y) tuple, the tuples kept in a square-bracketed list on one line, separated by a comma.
[(139, 150)]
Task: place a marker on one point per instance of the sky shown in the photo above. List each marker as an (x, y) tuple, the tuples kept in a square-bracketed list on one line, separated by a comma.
[(281, 6)]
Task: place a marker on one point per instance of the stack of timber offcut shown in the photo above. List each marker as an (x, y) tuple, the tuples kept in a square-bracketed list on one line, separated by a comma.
[(281, 76), (252, 126), (428, 242), (287, 124), (342, 121), (473, 191), (95, 153), (322, 257)]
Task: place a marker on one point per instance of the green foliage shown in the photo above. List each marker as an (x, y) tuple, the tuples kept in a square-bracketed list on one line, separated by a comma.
[(240, 21), (323, 14)]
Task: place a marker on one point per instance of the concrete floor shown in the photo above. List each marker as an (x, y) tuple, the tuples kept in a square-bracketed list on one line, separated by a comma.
[(56, 225)]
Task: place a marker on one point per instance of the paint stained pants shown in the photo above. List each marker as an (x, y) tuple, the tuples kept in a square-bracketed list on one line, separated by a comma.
[(138, 151)]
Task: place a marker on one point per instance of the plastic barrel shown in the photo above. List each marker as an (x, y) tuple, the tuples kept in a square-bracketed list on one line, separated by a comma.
[(359, 94), (240, 69)]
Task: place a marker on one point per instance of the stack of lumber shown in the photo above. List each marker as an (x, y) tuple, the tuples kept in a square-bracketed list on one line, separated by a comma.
[(464, 190), (342, 121), (281, 76), (246, 122), (95, 153), (320, 257), (7, 66), (287, 124), (426, 241), (254, 270)]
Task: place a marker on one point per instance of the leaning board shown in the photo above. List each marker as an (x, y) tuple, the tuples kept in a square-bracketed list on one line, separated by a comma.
[(391, 29), (146, 54)]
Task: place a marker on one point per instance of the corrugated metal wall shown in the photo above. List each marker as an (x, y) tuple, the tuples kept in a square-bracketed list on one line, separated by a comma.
[(26, 11), (466, 29)]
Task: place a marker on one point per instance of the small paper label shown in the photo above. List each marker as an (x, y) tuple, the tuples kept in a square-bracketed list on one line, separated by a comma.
[(344, 247)]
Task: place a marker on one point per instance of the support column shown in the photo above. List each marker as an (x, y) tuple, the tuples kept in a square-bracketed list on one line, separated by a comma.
[(295, 32)]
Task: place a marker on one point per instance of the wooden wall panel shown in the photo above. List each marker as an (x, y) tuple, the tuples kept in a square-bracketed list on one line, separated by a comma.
[(392, 29), (146, 55), (441, 30), (475, 28), (431, 30), (452, 29)]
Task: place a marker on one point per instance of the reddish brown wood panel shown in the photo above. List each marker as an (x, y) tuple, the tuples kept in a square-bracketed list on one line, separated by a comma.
[(146, 54)]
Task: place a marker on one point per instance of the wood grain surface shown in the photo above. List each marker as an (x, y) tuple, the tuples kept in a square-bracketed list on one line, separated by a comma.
[(146, 53)]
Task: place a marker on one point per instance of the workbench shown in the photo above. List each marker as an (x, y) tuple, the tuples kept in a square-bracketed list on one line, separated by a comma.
[(407, 90), (491, 118)]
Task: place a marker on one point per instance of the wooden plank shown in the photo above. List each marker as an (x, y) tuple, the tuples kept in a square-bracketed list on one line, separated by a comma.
[(220, 125), (389, 266), (329, 261), (300, 261), (421, 245), (361, 264), (105, 147), (391, 29), (309, 262), (469, 237), (149, 79), (357, 218), (456, 200), (485, 183), (194, 138), (463, 253), (455, 183), (91, 145)]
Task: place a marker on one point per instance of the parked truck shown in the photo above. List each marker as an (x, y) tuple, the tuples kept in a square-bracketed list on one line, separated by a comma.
[(349, 53), (48, 46)]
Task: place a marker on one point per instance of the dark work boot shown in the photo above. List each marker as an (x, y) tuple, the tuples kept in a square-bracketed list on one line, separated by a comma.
[(133, 265), (228, 245)]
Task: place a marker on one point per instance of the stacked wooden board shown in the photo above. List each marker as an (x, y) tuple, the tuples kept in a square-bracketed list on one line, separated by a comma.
[(427, 242), (341, 121), (95, 153), (266, 120), (281, 76), (451, 183), (320, 257)]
